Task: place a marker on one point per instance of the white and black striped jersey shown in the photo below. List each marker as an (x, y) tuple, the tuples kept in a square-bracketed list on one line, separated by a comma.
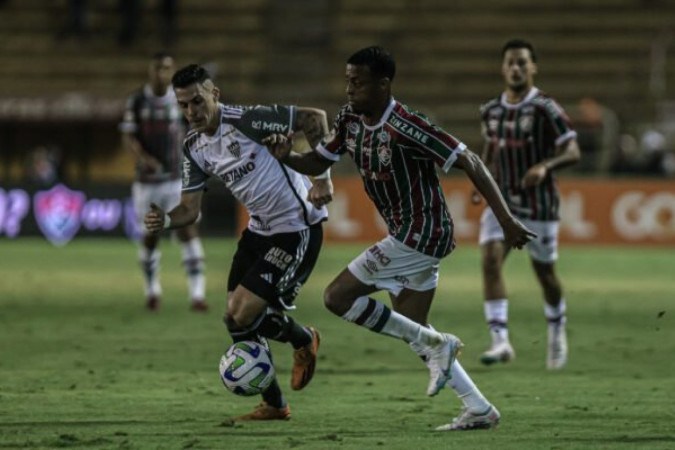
[(274, 194)]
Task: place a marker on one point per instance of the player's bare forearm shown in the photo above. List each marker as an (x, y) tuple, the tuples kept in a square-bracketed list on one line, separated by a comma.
[(566, 155), (309, 163), (487, 156), (132, 144), (186, 213), (515, 234), (482, 180), (313, 123)]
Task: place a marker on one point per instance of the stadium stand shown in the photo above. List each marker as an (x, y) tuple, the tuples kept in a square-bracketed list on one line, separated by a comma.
[(294, 51)]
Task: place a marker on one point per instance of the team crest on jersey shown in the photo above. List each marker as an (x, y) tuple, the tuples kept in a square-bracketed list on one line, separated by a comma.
[(384, 154), (58, 213), (234, 148), (351, 145), (353, 128), (492, 125), (525, 124)]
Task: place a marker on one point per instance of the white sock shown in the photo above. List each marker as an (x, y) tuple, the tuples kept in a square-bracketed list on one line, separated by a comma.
[(193, 262), (375, 316), (497, 317), (466, 390), (149, 260), (556, 313), (460, 382)]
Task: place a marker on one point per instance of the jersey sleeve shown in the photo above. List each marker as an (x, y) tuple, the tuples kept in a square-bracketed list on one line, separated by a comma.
[(129, 122), (430, 140), (194, 178), (259, 122), (559, 122), (333, 144)]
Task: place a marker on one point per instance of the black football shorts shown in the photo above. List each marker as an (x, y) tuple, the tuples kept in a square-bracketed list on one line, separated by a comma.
[(275, 267)]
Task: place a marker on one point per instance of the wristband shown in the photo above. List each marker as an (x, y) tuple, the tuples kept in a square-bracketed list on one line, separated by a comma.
[(167, 221), (323, 176)]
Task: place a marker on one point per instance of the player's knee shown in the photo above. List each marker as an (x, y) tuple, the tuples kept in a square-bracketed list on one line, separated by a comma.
[(491, 264), (333, 301)]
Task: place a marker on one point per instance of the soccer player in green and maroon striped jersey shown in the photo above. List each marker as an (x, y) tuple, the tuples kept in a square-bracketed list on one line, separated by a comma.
[(396, 150), (153, 130), (527, 138)]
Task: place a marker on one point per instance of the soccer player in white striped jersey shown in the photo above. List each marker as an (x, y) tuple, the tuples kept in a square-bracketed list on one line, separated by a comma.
[(396, 150), (278, 250), (528, 138)]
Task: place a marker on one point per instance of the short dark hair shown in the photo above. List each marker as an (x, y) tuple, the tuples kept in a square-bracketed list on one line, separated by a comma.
[(194, 73), (519, 43), (379, 61)]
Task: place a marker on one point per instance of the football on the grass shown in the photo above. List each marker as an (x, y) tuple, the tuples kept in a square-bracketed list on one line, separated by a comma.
[(246, 368)]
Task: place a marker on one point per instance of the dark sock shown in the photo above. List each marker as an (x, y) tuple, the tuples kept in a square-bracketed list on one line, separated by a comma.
[(282, 328), (273, 395)]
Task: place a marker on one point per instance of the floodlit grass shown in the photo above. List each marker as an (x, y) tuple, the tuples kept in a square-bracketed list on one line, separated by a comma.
[(82, 364)]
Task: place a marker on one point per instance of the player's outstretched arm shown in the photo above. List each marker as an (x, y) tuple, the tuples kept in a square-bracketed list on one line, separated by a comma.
[(515, 233), (186, 213), (309, 163)]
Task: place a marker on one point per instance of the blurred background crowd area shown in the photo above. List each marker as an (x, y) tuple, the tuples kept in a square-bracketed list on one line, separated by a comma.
[(67, 66)]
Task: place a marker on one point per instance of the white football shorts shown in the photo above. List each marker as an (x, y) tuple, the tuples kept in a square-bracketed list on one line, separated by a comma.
[(544, 248), (166, 195), (392, 266)]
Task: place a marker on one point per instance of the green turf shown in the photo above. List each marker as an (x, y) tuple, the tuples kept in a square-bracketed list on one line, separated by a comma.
[(83, 365)]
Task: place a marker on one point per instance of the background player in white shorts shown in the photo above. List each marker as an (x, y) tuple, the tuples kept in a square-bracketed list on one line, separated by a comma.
[(527, 137), (153, 129)]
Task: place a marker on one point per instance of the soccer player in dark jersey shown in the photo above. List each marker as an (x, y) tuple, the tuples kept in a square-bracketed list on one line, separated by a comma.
[(396, 150), (278, 250), (153, 130), (527, 138)]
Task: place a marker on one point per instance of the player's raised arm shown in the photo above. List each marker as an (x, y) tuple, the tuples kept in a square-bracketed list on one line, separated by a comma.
[(313, 123), (516, 234)]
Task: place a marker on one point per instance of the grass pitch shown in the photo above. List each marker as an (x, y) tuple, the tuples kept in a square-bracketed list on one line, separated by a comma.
[(83, 365)]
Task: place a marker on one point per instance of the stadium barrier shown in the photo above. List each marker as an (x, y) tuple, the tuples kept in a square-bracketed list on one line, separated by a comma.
[(630, 211), (63, 212), (602, 211)]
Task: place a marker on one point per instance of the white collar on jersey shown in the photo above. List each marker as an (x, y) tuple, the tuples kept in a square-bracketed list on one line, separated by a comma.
[(147, 90), (384, 118), (530, 95)]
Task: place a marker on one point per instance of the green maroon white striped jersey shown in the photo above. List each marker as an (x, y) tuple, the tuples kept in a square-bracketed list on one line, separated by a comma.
[(520, 136), (158, 125), (396, 159)]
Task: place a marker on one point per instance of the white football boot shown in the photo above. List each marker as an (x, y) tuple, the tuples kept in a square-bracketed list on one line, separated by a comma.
[(501, 351), (440, 358), (557, 346), (469, 421)]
